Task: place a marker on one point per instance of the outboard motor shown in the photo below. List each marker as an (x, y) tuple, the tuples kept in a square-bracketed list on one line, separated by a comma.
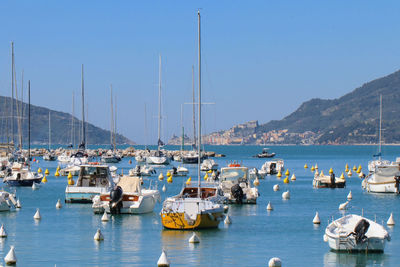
[(237, 193), (333, 184), (397, 184), (116, 200), (360, 230)]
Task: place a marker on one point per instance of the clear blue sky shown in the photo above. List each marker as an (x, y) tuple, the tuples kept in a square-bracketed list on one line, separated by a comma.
[(261, 59)]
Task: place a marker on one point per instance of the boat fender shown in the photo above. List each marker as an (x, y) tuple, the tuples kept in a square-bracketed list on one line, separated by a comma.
[(360, 230), (211, 217)]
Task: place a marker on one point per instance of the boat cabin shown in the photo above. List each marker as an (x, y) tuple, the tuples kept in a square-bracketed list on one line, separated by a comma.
[(234, 174), (94, 176), (206, 192)]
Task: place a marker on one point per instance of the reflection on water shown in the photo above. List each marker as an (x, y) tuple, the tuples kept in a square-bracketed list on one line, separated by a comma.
[(334, 259)]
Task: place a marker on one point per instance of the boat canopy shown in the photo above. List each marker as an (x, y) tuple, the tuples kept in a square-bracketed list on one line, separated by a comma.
[(130, 184), (234, 174)]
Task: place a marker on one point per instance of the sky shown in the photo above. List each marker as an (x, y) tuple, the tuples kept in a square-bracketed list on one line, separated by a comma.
[(260, 59)]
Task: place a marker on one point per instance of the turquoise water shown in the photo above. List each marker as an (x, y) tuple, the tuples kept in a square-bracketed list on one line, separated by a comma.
[(65, 237)]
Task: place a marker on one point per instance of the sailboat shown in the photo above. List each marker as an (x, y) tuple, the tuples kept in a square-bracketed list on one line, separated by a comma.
[(65, 157), (193, 208), (158, 158), (191, 157), (22, 175), (374, 163), (111, 156), (81, 157), (49, 156), (384, 175)]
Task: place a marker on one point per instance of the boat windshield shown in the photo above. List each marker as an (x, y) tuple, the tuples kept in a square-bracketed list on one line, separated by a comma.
[(233, 174), (93, 176)]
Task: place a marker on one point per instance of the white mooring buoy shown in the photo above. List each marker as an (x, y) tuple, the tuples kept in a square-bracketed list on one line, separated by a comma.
[(316, 219), (18, 206), (35, 186), (227, 220), (163, 260), (10, 258), (98, 236), (3, 232), (286, 195), (269, 206), (58, 205), (350, 195), (194, 239), (275, 262), (276, 187), (343, 206), (37, 215), (105, 217), (390, 222), (164, 188)]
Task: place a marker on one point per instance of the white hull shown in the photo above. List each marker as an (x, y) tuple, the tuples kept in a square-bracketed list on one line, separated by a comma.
[(144, 204), (163, 160), (349, 244), (383, 179)]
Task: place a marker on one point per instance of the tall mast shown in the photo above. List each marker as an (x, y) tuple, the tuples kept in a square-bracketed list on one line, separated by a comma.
[(19, 111), (194, 111), (380, 126), (115, 125), (199, 122), (12, 92), (145, 126), (72, 121), (29, 122), (159, 104), (83, 113), (183, 130), (112, 119), (49, 131)]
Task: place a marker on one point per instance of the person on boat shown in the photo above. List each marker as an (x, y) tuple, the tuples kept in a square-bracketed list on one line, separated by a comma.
[(333, 184)]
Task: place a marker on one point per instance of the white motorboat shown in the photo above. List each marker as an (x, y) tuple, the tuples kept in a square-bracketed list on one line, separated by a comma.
[(64, 158), (111, 158), (127, 196), (385, 179), (272, 167), (191, 157), (356, 233), (209, 165), (157, 158), (180, 171), (142, 170), (94, 179), (236, 185), (22, 175)]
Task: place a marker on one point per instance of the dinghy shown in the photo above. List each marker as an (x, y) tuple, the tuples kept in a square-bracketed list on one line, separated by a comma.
[(355, 233)]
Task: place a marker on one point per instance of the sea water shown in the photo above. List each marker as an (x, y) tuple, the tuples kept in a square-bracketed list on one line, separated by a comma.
[(64, 237)]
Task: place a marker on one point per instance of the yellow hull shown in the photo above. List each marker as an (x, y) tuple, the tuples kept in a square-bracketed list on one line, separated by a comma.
[(177, 221)]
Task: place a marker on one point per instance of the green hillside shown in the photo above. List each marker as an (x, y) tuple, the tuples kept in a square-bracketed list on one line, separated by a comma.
[(61, 126)]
